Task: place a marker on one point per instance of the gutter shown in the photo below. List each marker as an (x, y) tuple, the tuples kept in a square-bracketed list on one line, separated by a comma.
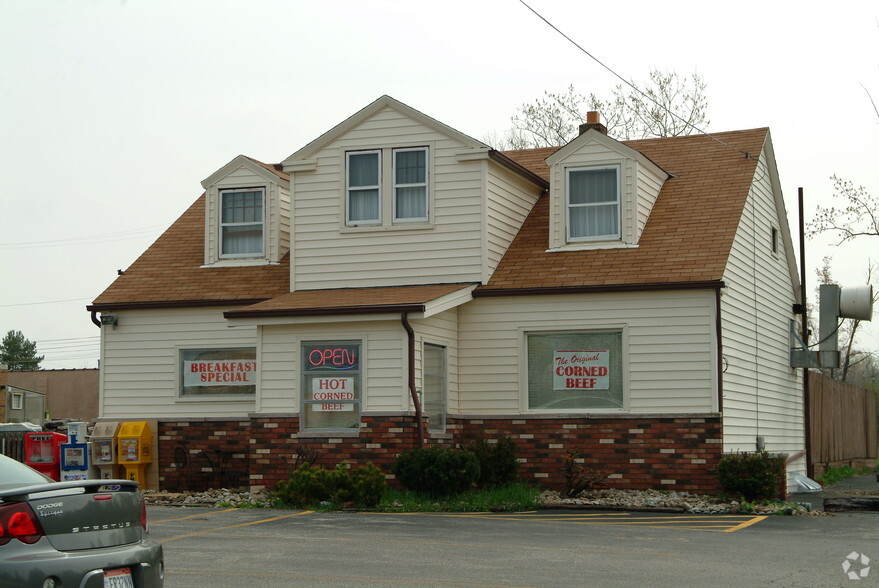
[(656, 286), (404, 318)]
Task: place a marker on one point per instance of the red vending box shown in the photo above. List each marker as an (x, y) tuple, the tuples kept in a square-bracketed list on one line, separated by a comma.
[(42, 452)]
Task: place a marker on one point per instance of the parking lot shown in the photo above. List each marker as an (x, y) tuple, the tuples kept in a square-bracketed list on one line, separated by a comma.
[(237, 547)]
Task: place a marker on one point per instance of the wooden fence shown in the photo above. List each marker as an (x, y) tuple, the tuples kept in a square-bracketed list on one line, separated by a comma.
[(844, 424), (12, 444)]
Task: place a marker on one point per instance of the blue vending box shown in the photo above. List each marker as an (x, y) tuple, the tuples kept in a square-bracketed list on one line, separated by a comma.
[(75, 454)]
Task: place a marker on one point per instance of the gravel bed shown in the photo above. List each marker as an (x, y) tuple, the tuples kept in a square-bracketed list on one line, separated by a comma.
[(605, 499)]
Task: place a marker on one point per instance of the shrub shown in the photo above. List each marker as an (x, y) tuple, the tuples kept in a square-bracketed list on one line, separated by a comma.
[(309, 485), (437, 471), (579, 476), (498, 465), (754, 476)]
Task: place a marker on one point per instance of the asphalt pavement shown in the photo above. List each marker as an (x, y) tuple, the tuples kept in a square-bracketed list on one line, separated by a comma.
[(856, 486)]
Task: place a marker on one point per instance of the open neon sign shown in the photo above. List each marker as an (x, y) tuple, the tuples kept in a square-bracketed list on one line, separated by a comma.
[(331, 357)]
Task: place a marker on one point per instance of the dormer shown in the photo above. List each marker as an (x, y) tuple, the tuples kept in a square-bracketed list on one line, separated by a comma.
[(247, 214), (602, 191)]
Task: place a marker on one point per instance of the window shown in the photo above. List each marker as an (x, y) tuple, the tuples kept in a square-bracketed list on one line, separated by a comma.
[(241, 222), (218, 372), (410, 184), (570, 371), (773, 240), (593, 203), (364, 187), (331, 385), (434, 386), (17, 403)]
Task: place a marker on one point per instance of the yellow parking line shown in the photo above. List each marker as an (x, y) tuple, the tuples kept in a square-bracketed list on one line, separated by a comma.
[(195, 516), (259, 522), (740, 526)]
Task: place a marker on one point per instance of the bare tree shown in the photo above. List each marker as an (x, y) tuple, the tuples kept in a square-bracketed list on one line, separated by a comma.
[(668, 105), (857, 215)]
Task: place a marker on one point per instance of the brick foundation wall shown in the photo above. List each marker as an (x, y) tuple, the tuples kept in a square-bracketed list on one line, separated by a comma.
[(199, 454), (635, 452)]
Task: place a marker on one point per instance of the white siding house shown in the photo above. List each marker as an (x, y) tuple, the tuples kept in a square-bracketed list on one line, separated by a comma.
[(396, 283)]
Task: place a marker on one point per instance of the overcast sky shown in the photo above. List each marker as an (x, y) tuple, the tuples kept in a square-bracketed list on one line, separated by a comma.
[(112, 112)]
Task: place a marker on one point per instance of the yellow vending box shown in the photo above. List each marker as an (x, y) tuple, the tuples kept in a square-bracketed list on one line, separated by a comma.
[(135, 450), (103, 444)]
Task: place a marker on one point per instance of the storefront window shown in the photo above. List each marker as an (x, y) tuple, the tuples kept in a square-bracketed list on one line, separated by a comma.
[(331, 385), (218, 372), (575, 371)]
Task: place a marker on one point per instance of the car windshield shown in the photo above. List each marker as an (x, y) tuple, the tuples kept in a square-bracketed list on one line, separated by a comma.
[(14, 474)]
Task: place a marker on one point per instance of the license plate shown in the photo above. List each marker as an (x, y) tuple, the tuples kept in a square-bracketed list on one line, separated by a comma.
[(120, 578)]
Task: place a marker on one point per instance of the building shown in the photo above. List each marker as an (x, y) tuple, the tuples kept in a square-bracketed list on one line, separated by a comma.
[(396, 282)]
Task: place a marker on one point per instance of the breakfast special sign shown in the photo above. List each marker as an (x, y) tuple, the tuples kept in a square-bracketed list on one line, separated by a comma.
[(581, 370)]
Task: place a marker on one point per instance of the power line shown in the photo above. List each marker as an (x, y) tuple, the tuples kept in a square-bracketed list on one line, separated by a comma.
[(48, 302), (87, 239), (627, 82)]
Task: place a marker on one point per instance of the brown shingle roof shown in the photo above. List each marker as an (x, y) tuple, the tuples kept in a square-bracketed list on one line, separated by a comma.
[(169, 273), (349, 301), (687, 238)]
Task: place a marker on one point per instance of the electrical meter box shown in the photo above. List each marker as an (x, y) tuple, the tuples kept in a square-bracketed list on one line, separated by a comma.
[(75, 454), (42, 452), (103, 449), (135, 448)]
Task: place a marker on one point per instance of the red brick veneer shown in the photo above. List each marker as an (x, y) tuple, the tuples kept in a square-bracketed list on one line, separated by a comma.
[(636, 452)]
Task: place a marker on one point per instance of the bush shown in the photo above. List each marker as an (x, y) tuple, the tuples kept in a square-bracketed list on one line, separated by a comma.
[(754, 476), (579, 476), (437, 471), (498, 465), (309, 486)]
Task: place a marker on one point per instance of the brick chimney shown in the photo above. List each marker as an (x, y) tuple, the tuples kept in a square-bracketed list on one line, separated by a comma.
[(593, 121)]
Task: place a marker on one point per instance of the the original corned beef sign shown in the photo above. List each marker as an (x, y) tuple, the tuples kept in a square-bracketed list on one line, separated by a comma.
[(581, 370), (226, 372)]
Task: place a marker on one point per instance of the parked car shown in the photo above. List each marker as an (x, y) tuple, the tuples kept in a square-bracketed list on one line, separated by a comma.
[(84, 534)]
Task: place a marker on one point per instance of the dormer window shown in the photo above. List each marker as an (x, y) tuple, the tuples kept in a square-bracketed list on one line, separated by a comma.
[(242, 221), (364, 187), (593, 203), (410, 185), (387, 186)]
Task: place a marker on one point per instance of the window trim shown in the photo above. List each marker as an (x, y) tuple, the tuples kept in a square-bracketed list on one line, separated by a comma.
[(221, 192), (179, 396), (13, 405), (620, 328), (426, 184), (567, 212), (358, 402), (444, 404), (348, 187)]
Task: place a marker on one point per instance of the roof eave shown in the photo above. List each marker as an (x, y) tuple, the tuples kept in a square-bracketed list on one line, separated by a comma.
[(595, 289)]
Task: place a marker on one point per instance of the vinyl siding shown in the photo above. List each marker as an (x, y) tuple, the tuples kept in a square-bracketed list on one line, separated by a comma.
[(449, 248), (762, 393), (139, 363), (383, 347), (509, 202), (669, 345)]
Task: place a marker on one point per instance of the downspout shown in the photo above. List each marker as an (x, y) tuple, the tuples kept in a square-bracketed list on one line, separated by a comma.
[(95, 319), (720, 367), (412, 391)]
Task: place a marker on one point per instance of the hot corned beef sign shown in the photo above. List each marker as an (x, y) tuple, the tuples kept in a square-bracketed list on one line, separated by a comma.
[(581, 370), (226, 372)]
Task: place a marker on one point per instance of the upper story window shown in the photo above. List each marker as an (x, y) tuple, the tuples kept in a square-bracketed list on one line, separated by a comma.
[(242, 222), (593, 203), (364, 187), (410, 184), (387, 186)]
